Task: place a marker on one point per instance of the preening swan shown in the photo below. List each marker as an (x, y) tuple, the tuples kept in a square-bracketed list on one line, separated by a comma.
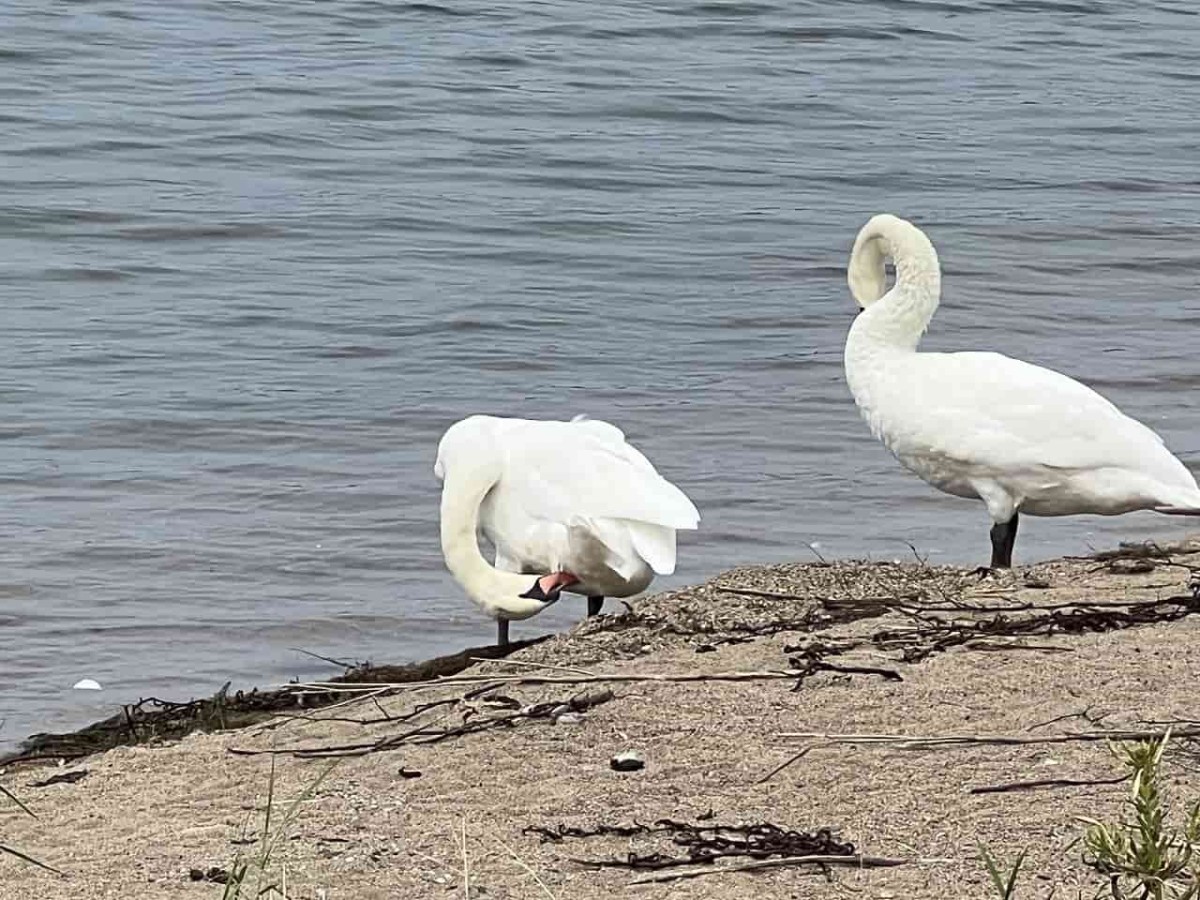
[(568, 502), (1016, 436)]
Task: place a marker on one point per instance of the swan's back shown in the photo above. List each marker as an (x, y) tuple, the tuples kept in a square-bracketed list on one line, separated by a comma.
[(585, 469), (568, 470), (997, 414)]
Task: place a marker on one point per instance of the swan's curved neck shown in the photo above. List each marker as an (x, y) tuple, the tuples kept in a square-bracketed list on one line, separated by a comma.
[(898, 318), (497, 593)]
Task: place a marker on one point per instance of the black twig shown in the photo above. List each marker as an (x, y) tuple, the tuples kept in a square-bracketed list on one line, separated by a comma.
[(1044, 783)]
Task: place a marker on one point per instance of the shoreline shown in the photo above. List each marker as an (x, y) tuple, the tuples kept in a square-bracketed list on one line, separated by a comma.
[(748, 701), (151, 720)]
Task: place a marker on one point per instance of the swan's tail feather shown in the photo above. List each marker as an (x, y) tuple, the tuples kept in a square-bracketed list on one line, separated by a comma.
[(1180, 501), (655, 544)]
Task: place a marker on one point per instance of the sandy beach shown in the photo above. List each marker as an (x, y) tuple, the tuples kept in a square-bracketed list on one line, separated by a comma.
[(738, 695)]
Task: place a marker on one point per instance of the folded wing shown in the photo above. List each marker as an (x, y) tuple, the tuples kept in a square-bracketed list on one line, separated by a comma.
[(1000, 414)]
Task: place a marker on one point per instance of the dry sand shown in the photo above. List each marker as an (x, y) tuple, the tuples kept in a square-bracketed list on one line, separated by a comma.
[(144, 816)]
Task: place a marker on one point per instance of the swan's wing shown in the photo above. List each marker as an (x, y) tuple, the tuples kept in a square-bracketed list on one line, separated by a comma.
[(605, 432), (506, 563), (999, 413), (570, 471)]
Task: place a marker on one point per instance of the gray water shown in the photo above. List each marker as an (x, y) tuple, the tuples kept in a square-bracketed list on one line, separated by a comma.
[(256, 257)]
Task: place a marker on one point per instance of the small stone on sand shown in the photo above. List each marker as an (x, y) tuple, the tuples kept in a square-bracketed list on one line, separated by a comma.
[(627, 761)]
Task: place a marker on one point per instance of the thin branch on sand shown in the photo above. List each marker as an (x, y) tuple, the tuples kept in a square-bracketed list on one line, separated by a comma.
[(1085, 713), (783, 765), (925, 742), (528, 868), (1017, 643), (570, 670), (466, 864), (13, 797), (617, 678), (360, 749), (340, 663), (1018, 606), (879, 602), (862, 862), (1045, 783), (13, 851), (432, 732)]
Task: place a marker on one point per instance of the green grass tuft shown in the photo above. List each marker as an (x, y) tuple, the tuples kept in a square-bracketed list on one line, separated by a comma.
[(1142, 857), (253, 876), (1006, 886)]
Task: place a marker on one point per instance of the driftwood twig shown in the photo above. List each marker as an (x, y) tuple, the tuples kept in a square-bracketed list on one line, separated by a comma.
[(795, 757), (858, 861), (924, 742), (1044, 783), (615, 678)]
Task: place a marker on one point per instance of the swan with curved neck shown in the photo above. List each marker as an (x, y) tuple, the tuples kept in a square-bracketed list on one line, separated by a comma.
[(502, 595), (569, 502), (1019, 437)]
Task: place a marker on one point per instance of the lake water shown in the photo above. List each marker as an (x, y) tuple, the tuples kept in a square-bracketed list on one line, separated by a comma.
[(256, 257)]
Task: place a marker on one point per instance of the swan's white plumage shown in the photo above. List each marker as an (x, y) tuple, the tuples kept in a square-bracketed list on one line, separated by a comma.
[(1019, 436), (571, 496)]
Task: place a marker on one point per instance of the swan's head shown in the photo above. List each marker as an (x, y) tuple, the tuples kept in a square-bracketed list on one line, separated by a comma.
[(544, 590), (508, 595), (867, 272), (887, 237)]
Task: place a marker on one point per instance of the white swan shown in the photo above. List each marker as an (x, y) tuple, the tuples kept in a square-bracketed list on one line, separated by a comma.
[(571, 502), (1016, 436)]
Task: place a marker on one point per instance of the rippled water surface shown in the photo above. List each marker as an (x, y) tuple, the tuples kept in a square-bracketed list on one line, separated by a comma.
[(257, 256)]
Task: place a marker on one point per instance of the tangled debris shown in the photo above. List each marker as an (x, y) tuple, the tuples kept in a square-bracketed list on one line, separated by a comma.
[(479, 710), (935, 628), (931, 633), (154, 719), (702, 843), (1134, 550), (810, 658)]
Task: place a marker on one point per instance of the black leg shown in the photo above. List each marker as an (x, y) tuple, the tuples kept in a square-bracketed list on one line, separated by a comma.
[(1004, 536), (595, 604), (1012, 535), (502, 632)]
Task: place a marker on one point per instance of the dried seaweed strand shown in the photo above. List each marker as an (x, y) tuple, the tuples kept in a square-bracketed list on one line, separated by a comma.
[(706, 843)]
